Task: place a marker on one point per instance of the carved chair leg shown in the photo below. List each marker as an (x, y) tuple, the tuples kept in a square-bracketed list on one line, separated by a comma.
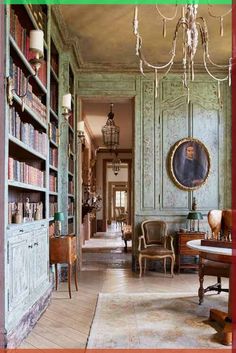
[(219, 284), (76, 275), (145, 265), (172, 265), (201, 279), (56, 276), (164, 264), (69, 279), (140, 265)]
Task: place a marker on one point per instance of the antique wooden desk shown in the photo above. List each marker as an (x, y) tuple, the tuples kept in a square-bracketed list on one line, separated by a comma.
[(219, 255), (64, 250), (183, 250)]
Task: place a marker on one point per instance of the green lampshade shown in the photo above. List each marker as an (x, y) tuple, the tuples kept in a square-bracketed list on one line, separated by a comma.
[(195, 215), (59, 216)]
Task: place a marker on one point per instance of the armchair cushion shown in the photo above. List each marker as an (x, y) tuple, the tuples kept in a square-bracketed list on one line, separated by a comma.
[(156, 250)]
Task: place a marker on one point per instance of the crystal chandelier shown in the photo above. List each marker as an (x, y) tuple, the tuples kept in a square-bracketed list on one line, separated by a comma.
[(193, 27), (116, 164), (110, 131)]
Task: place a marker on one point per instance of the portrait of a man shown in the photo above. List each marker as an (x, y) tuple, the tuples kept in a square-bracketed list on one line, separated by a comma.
[(190, 163)]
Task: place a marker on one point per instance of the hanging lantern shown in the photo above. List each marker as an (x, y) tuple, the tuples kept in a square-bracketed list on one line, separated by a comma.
[(110, 131), (116, 164)]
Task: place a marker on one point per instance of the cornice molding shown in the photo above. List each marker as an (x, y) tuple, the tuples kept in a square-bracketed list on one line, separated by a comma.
[(69, 40)]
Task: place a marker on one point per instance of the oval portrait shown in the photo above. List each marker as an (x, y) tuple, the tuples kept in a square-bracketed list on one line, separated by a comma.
[(189, 163)]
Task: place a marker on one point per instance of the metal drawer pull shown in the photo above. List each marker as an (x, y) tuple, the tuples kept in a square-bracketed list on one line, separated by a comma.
[(30, 246), (36, 244), (42, 225), (21, 230)]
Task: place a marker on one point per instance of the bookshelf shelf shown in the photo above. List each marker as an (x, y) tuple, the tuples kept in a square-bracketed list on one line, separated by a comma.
[(51, 219), (17, 184), (25, 147), (21, 226), (55, 116), (71, 195), (26, 63), (70, 217), (53, 143), (71, 129), (53, 168), (54, 74), (70, 174), (29, 111), (54, 193)]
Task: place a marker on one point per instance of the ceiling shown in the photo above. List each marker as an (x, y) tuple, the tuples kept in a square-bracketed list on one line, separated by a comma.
[(94, 114), (105, 34)]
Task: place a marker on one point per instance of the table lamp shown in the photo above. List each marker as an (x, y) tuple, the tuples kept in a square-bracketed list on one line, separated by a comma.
[(192, 217), (58, 218)]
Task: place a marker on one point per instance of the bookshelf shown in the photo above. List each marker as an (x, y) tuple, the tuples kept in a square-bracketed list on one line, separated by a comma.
[(39, 162), (54, 133), (71, 155)]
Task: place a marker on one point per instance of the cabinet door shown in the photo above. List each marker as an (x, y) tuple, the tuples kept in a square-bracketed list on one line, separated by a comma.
[(18, 269), (41, 253)]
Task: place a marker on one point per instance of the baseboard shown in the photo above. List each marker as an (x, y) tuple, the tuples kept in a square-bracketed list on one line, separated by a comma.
[(14, 337)]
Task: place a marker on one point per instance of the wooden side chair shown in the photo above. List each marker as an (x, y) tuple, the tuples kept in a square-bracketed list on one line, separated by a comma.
[(219, 221), (155, 244)]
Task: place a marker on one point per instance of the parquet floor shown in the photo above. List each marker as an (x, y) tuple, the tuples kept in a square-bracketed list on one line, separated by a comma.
[(66, 323)]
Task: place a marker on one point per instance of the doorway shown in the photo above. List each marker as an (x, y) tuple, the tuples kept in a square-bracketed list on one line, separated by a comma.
[(104, 240)]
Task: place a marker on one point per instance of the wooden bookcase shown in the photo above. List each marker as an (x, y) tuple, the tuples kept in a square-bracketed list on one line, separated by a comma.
[(35, 166)]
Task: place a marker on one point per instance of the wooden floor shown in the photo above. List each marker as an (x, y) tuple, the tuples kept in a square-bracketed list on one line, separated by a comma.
[(66, 323)]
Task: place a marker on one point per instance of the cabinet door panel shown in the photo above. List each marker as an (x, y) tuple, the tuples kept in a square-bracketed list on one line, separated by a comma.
[(41, 256), (18, 270)]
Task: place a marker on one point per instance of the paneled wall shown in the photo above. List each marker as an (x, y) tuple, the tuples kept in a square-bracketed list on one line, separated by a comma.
[(159, 123)]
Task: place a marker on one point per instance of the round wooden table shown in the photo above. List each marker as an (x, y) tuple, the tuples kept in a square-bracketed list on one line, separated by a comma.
[(219, 255)]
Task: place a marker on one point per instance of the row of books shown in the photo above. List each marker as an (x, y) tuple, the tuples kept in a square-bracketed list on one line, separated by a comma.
[(26, 133), (54, 63), (70, 227), (53, 207), (24, 173), (20, 86), (53, 133), (54, 96), (51, 229), (19, 212), (40, 17), (71, 187), (71, 120), (52, 183), (53, 157), (22, 39), (71, 165), (70, 208)]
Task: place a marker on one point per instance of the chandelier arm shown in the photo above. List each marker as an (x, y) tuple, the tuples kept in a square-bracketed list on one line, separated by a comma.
[(218, 16), (204, 36), (142, 57), (165, 17), (214, 77)]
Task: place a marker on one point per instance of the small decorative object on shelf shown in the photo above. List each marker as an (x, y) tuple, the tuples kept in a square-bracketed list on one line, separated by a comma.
[(58, 218), (17, 216)]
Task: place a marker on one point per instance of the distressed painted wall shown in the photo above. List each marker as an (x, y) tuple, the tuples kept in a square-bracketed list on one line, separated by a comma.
[(159, 123)]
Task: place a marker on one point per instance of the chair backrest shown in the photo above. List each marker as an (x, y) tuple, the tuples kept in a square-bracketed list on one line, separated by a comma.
[(220, 221), (154, 232)]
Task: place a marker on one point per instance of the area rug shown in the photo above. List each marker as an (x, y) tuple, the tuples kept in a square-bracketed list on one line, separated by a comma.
[(147, 320)]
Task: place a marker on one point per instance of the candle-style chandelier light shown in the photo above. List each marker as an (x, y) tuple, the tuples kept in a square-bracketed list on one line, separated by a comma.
[(116, 162), (110, 131), (194, 28)]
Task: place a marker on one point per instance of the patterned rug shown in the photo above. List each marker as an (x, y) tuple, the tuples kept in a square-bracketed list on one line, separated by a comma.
[(147, 320)]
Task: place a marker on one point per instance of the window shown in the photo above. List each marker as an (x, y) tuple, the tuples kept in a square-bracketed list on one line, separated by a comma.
[(120, 198)]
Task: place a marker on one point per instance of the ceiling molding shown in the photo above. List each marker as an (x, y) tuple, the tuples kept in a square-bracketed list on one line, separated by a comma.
[(69, 40)]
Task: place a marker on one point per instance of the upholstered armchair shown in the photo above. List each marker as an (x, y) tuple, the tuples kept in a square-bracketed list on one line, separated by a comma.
[(155, 244), (219, 221), (120, 216)]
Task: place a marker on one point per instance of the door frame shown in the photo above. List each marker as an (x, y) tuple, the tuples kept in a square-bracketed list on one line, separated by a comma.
[(104, 191)]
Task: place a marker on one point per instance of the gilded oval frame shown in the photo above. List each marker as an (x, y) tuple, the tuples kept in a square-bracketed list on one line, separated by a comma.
[(201, 159)]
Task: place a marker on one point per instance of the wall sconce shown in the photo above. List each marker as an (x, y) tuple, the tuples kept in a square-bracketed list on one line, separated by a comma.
[(36, 46)]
